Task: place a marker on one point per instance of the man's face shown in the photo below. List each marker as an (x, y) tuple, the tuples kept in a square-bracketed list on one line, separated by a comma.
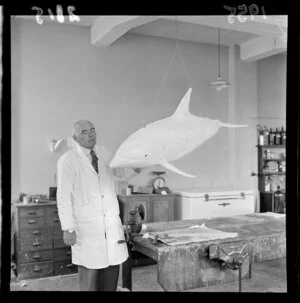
[(86, 136)]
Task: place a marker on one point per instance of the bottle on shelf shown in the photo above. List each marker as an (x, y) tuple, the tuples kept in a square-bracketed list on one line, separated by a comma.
[(271, 137), (283, 136), (283, 166), (277, 138), (260, 136), (267, 184), (258, 133), (279, 166), (279, 206), (266, 136)]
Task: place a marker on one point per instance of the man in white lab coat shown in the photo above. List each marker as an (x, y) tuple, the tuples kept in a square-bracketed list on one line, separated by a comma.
[(89, 211)]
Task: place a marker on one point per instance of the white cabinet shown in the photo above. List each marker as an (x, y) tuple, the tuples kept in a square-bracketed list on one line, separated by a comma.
[(198, 205)]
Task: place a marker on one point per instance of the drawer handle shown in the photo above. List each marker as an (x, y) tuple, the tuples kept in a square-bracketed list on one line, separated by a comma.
[(224, 204), (36, 244), (36, 257), (31, 221), (37, 269), (70, 265), (68, 253), (56, 220), (36, 232), (32, 213)]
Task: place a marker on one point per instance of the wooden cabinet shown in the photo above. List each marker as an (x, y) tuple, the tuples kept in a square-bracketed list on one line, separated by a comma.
[(152, 207), (39, 247), (271, 174), (162, 208)]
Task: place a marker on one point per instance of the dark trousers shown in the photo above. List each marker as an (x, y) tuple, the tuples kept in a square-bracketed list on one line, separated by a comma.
[(103, 279)]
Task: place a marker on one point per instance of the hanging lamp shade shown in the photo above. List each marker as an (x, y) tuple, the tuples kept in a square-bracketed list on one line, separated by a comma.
[(219, 84)]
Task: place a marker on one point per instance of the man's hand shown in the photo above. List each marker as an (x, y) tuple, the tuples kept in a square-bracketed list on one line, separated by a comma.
[(69, 238)]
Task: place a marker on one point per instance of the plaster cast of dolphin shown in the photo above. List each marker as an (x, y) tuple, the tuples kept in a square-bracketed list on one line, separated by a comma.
[(167, 139)]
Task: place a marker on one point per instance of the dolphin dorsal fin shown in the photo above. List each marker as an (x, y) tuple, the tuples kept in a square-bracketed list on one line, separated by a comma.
[(183, 107)]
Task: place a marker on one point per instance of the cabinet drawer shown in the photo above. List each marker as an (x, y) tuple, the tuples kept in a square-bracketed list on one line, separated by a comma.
[(51, 211), (35, 222), (64, 268), (35, 270), (35, 256), (52, 220), (59, 242), (162, 208), (62, 254), (36, 233), (232, 208), (31, 212), (39, 244), (58, 233)]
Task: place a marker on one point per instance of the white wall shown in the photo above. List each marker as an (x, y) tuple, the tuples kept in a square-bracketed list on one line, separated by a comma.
[(58, 77), (272, 90)]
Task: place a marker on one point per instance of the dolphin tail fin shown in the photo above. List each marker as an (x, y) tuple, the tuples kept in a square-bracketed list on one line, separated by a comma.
[(175, 169), (230, 125)]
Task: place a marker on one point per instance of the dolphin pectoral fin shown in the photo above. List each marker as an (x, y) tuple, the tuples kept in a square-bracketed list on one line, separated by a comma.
[(175, 169)]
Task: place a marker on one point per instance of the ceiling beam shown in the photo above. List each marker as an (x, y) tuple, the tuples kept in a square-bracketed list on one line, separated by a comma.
[(262, 47), (107, 29), (267, 27)]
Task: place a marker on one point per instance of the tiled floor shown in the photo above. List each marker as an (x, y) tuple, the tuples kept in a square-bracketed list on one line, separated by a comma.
[(268, 276)]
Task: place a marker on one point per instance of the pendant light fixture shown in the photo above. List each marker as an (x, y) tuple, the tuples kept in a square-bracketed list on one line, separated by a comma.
[(219, 84)]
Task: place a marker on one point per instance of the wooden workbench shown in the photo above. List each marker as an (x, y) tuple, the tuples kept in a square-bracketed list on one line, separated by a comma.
[(187, 266)]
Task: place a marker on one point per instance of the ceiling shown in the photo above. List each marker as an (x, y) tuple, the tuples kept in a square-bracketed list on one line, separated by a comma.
[(192, 32), (257, 36)]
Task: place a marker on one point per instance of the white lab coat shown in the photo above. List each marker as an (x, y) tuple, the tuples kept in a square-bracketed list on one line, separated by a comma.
[(87, 203)]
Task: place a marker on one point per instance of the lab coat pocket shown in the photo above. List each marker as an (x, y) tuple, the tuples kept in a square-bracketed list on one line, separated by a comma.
[(114, 229), (84, 212)]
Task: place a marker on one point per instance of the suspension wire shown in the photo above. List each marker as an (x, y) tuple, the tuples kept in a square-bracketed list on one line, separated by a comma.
[(176, 48), (167, 70), (181, 57), (165, 76), (219, 52), (185, 70)]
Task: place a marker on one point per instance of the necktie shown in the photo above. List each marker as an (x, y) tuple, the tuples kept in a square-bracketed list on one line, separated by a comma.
[(94, 161)]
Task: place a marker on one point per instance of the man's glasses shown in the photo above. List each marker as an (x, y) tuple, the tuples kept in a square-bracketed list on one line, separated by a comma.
[(86, 131)]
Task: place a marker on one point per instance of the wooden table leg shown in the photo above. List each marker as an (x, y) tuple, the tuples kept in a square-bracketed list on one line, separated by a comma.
[(127, 272)]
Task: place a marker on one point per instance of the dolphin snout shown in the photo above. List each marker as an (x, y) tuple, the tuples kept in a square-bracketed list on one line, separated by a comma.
[(118, 161), (113, 163)]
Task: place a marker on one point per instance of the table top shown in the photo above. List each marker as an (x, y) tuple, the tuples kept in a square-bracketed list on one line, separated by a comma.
[(247, 226)]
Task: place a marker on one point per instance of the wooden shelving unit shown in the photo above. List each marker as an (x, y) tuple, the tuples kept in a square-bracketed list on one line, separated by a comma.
[(267, 196)]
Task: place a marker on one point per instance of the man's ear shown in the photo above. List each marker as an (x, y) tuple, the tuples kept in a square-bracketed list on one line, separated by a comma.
[(75, 138)]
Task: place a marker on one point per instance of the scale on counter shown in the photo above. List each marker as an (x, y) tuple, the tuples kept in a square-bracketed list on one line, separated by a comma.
[(159, 183)]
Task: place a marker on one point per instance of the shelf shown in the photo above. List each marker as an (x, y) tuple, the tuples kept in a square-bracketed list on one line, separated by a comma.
[(277, 160), (270, 192), (271, 146), (268, 174)]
